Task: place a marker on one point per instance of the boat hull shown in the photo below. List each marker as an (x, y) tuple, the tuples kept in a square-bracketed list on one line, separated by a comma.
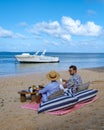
[(36, 59)]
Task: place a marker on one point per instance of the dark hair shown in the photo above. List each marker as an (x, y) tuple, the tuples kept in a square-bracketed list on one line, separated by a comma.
[(74, 67)]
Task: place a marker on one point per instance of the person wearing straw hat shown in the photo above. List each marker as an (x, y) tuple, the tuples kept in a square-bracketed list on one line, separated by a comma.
[(51, 87)]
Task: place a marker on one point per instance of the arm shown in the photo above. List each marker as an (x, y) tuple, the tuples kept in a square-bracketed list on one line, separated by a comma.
[(70, 83), (65, 85), (64, 80), (42, 91), (45, 89), (75, 81)]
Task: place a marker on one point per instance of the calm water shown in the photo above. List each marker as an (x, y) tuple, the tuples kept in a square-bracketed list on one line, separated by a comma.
[(9, 65)]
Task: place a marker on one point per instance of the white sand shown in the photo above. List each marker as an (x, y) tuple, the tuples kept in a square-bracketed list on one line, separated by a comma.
[(13, 117)]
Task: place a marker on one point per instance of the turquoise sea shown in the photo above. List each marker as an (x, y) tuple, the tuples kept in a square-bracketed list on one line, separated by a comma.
[(10, 66)]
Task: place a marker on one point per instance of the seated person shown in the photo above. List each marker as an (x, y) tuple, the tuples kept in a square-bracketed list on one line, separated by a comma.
[(74, 81), (51, 87)]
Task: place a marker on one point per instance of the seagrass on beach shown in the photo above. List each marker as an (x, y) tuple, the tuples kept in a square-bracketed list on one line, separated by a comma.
[(13, 117)]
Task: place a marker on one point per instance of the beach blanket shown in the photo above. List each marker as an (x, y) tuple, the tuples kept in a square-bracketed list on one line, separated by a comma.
[(35, 106)]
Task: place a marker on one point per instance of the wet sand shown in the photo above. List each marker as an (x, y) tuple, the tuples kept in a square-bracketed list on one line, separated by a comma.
[(13, 117)]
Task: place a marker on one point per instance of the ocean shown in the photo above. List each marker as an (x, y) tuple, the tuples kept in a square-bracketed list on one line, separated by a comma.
[(10, 66)]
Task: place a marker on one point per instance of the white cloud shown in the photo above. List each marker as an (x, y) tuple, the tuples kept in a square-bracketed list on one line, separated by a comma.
[(91, 12), (18, 35), (9, 34), (68, 27), (52, 42), (75, 27), (23, 24), (53, 29), (65, 37), (5, 33)]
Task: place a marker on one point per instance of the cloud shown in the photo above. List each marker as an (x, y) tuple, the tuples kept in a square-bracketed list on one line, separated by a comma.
[(23, 24), (75, 27), (52, 42), (5, 33), (53, 29), (50, 28), (18, 35), (91, 12), (9, 34), (66, 28)]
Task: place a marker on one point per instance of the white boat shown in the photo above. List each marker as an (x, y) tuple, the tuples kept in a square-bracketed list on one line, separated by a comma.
[(35, 58)]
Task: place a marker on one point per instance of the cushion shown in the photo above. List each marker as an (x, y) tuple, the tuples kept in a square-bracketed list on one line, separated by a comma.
[(86, 95), (60, 92), (83, 86), (59, 103)]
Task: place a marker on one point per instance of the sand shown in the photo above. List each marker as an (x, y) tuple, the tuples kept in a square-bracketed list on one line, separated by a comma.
[(13, 117)]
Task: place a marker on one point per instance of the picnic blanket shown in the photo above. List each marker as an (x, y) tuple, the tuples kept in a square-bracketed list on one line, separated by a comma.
[(35, 106)]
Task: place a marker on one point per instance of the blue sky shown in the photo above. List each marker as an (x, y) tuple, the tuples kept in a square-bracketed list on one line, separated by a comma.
[(54, 25)]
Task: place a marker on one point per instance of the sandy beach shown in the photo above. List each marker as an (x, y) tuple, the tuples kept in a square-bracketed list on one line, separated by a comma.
[(13, 117)]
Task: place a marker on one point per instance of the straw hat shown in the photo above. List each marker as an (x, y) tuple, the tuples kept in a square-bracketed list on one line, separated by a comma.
[(53, 75)]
